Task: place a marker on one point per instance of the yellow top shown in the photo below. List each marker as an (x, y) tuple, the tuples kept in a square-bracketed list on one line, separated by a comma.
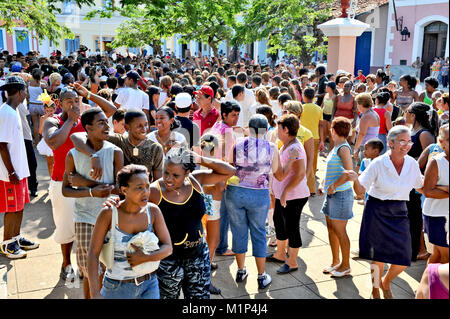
[(303, 134), (310, 118)]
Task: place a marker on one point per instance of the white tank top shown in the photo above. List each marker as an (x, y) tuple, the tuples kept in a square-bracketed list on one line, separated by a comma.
[(438, 207), (34, 92)]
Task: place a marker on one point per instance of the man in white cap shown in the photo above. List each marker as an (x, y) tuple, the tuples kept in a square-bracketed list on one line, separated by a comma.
[(189, 129), (13, 170)]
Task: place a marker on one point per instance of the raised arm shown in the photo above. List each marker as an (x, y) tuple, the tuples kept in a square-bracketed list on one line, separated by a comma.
[(54, 136), (104, 104), (221, 171)]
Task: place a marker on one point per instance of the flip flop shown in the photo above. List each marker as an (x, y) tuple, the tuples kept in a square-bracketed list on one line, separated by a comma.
[(227, 253), (273, 259)]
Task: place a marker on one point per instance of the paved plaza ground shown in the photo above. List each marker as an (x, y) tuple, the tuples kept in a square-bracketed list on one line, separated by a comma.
[(37, 276)]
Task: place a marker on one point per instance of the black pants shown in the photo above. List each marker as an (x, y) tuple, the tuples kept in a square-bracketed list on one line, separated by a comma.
[(287, 221), (414, 206), (32, 166)]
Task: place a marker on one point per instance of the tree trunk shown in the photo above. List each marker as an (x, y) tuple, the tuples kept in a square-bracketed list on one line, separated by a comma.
[(215, 49), (156, 46)]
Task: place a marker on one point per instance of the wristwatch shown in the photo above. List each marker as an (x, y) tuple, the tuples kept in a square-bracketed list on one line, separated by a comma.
[(13, 173), (88, 95)]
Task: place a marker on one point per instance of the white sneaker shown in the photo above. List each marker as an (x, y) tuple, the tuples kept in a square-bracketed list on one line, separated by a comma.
[(264, 280), (11, 249)]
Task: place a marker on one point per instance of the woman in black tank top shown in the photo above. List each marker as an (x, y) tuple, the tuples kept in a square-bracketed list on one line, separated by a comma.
[(179, 195), (423, 121)]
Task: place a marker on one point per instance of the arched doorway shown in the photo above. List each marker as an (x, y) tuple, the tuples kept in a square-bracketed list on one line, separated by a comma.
[(434, 44)]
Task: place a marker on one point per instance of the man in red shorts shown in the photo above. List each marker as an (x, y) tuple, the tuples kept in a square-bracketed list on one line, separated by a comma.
[(13, 170)]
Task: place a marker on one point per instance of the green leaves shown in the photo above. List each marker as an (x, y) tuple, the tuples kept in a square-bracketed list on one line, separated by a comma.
[(36, 15), (288, 25)]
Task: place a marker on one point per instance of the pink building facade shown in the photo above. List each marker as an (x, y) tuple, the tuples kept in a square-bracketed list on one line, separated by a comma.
[(427, 23)]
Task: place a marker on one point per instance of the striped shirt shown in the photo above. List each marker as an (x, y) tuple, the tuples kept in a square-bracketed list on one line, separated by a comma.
[(335, 168)]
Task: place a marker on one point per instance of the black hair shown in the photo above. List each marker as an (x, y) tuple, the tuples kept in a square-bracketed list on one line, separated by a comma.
[(412, 81), (181, 156), (375, 143), (321, 69), (303, 71), (241, 77), (432, 81), (119, 115), (36, 74), (176, 124), (257, 80), (232, 78), (88, 116), (282, 98), (131, 114), (209, 142), (309, 93), (228, 107), (268, 113), (237, 89), (211, 78), (125, 174), (424, 118), (121, 81), (111, 82), (120, 69), (176, 89), (189, 89), (215, 86), (383, 97)]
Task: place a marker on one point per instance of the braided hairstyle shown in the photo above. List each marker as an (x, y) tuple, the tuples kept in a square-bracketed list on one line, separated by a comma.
[(181, 156), (425, 116)]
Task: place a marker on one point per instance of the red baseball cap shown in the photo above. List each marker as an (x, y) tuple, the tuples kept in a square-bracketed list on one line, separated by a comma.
[(205, 90)]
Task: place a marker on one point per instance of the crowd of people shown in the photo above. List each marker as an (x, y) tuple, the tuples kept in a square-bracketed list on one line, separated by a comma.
[(152, 160)]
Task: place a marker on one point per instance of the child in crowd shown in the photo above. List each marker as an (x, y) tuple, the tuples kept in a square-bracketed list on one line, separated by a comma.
[(372, 149), (209, 145)]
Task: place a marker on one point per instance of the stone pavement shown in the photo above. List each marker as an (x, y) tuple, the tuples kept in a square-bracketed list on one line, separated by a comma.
[(37, 276)]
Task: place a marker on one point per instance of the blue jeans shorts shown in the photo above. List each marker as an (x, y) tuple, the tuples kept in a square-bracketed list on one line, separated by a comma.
[(339, 205), (115, 289), (247, 209)]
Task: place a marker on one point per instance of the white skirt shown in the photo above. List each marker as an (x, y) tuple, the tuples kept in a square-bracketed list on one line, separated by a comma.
[(44, 149)]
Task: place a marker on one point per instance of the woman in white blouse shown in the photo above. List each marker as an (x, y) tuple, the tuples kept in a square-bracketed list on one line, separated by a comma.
[(384, 235)]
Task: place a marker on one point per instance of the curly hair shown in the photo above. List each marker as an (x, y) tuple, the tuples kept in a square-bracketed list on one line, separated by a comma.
[(181, 156)]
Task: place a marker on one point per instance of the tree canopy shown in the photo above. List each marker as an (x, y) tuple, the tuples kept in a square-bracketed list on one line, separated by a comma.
[(36, 15), (288, 25)]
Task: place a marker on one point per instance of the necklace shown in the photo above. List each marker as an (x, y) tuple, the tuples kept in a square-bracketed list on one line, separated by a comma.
[(135, 147), (166, 145)]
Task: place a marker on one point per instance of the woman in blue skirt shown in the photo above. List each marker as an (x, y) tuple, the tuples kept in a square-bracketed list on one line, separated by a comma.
[(384, 235)]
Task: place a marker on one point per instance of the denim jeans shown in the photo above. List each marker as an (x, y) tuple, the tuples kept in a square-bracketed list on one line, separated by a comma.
[(383, 138), (247, 210), (224, 227), (115, 289)]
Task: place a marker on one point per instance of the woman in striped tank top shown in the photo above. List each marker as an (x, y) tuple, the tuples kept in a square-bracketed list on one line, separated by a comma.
[(339, 197)]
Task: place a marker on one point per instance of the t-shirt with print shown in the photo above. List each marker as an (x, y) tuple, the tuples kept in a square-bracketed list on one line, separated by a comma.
[(150, 154), (12, 134), (311, 115)]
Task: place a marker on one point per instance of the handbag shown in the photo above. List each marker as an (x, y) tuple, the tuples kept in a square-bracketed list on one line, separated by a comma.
[(107, 252)]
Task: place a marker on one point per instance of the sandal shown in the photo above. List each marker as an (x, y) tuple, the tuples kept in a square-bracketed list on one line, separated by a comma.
[(227, 253), (273, 259), (330, 269)]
